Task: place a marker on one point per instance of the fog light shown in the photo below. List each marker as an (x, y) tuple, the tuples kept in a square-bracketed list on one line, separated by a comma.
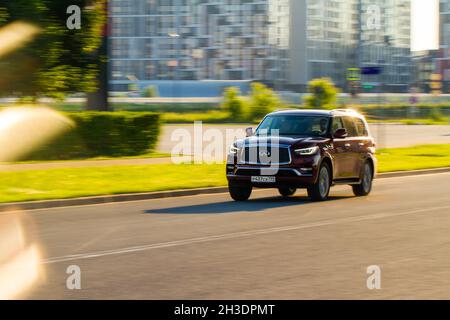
[(306, 170)]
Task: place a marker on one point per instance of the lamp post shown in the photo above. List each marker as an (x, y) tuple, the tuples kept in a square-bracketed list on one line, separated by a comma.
[(175, 35)]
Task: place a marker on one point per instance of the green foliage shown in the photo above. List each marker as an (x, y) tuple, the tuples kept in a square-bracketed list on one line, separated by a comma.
[(436, 112), (150, 92), (99, 134), (58, 61), (262, 101), (233, 104), (133, 87), (323, 93), (436, 115)]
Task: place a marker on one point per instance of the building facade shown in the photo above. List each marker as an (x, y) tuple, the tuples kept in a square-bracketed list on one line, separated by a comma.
[(284, 43), (443, 61), (424, 67)]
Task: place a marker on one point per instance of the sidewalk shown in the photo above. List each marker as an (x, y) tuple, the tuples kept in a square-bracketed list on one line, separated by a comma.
[(84, 164)]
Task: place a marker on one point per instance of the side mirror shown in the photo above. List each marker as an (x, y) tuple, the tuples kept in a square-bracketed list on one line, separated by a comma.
[(249, 132), (341, 133)]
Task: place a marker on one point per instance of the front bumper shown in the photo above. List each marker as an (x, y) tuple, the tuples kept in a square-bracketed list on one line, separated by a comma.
[(301, 173)]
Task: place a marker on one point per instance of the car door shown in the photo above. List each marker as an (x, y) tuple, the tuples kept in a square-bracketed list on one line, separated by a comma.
[(364, 142), (341, 151), (352, 169)]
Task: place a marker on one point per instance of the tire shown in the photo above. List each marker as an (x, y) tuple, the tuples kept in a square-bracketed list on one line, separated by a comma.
[(320, 190), (286, 191), (364, 189), (240, 192)]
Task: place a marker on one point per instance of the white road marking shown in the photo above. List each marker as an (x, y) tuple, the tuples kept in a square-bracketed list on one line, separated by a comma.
[(235, 235)]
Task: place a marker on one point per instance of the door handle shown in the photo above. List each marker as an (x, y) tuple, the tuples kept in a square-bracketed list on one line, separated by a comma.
[(347, 145), (361, 144)]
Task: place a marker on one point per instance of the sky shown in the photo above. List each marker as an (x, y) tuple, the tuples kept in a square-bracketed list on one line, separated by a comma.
[(425, 25)]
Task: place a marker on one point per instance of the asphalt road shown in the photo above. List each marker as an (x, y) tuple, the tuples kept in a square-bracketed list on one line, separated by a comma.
[(207, 247)]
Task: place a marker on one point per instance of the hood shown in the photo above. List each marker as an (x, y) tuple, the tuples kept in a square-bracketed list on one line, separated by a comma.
[(289, 141)]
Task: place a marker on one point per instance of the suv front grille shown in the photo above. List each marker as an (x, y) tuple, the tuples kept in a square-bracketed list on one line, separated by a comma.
[(255, 155)]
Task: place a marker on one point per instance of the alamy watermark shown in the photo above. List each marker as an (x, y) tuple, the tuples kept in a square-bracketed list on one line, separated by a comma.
[(208, 146), (74, 20), (73, 281), (373, 17), (374, 279)]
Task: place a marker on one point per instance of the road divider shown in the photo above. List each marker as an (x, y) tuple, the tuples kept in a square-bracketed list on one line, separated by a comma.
[(48, 204)]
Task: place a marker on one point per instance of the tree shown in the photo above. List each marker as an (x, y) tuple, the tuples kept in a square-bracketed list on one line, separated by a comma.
[(58, 61), (263, 101), (323, 93), (150, 92), (233, 104)]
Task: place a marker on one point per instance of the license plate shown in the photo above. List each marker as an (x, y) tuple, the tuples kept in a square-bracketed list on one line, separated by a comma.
[(264, 179)]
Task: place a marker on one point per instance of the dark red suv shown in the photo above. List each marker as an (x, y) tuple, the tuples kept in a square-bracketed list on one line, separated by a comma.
[(312, 149)]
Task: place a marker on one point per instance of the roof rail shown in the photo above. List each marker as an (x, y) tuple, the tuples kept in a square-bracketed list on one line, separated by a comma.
[(346, 110)]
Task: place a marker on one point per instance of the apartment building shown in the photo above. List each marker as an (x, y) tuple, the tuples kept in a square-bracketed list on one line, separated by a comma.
[(284, 43)]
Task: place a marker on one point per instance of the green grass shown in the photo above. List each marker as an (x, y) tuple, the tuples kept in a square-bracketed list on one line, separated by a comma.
[(428, 122), (148, 107), (141, 156), (414, 158), (206, 117), (76, 182)]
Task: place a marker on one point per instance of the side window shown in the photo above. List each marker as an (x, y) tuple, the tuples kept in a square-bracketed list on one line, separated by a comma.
[(337, 124), (350, 126), (361, 127)]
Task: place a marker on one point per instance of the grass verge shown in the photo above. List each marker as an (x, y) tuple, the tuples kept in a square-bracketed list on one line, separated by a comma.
[(77, 182), (414, 158)]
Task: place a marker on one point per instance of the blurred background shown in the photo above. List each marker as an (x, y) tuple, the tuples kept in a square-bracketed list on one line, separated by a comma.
[(113, 80), (92, 91)]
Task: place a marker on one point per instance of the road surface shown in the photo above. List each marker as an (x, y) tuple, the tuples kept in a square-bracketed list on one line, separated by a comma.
[(207, 247)]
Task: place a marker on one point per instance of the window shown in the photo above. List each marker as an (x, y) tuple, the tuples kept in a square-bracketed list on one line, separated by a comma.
[(350, 126), (361, 127), (292, 125), (337, 124)]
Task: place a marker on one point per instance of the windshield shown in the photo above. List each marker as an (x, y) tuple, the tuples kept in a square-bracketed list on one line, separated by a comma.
[(289, 125)]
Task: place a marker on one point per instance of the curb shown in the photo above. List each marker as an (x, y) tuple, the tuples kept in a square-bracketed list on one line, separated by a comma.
[(397, 174), (48, 204)]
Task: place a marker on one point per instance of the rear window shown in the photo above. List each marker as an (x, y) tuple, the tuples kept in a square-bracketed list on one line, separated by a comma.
[(350, 126), (361, 127)]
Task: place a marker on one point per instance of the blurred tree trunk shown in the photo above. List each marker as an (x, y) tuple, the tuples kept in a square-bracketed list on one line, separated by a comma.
[(98, 100)]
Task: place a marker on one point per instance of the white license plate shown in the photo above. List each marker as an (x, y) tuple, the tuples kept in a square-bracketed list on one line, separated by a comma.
[(264, 179)]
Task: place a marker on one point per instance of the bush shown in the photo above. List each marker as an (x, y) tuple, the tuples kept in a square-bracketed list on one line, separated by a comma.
[(436, 115), (233, 104), (262, 101), (323, 93), (435, 112), (98, 134), (150, 92)]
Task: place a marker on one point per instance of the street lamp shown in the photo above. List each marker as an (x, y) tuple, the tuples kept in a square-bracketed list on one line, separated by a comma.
[(175, 65)]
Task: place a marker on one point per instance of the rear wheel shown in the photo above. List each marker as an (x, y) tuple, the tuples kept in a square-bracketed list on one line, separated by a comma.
[(320, 190), (240, 192), (364, 189), (287, 191)]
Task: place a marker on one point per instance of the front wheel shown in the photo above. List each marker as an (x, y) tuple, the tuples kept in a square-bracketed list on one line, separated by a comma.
[(320, 190), (364, 189), (240, 192)]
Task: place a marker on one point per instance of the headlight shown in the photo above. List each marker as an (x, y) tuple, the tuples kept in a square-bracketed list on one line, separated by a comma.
[(307, 151), (234, 149)]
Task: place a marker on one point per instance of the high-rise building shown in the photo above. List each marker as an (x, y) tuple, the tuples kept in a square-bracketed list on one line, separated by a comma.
[(443, 62), (386, 42), (284, 43)]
